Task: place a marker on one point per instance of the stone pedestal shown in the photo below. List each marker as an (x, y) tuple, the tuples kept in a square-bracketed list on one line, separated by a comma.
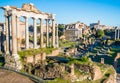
[(13, 62), (18, 64), (102, 60)]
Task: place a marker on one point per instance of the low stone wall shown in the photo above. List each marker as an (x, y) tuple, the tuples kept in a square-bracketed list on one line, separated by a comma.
[(39, 57), (54, 53), (35, 58)]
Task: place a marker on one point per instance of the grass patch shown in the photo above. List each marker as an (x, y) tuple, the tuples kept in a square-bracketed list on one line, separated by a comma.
[(58, 80), (83, 60), (65, 43)]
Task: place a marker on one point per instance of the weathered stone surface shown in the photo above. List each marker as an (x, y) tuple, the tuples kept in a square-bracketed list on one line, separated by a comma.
[(96, 73), (10, 62), (12, 77), (30, 7), (54, 53), (112, 77), (35, 58)]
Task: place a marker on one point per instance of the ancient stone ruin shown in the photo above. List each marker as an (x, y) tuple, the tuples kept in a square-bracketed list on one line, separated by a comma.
[(12, 27)]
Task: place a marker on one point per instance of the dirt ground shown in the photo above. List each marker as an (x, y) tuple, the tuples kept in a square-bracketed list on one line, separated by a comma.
[(12, 77)]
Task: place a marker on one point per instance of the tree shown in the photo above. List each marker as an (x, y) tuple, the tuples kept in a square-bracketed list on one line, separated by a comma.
[(60, 30), (99, 33)]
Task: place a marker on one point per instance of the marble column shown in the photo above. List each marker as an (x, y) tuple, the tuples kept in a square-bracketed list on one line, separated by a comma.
[(14, 35), (26, 33), (35, 33), (41, 34), (53, 33), (115, 33), (118, 33), (57, 36), (18, 33), (7, 35), (47, 33)]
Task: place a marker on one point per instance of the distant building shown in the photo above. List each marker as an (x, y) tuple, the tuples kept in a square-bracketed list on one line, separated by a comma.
[(95, 25), (99, 26), (74, 31)]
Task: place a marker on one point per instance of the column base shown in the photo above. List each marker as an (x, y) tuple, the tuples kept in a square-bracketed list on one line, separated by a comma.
[(17, 61), (13, 62), (7, 52)]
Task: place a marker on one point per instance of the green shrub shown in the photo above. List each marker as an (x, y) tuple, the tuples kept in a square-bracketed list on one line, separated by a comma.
[(1, 64)]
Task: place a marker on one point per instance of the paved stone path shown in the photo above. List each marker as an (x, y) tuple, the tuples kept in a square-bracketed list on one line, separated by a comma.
[(12, 77)]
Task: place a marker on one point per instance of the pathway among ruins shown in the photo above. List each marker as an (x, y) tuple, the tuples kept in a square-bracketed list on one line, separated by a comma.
[(7, 76)]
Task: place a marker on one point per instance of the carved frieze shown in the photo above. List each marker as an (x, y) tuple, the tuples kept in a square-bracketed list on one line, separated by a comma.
[(30, 8)]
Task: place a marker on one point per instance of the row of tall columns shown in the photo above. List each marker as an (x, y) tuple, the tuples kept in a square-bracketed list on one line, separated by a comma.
[(117, 34), (15, 29)]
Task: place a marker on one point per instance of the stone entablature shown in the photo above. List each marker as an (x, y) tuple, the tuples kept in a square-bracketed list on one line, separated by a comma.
[(28, 10)]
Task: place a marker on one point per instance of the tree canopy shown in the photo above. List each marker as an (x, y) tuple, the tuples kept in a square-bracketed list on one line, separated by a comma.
[(60, 30), (99, 33)]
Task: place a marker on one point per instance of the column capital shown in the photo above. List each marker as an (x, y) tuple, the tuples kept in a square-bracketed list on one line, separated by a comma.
[(47, 20), (53, 19), (18, 16), (41, 19), (34, 18), (6, 15), (26, 17)]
